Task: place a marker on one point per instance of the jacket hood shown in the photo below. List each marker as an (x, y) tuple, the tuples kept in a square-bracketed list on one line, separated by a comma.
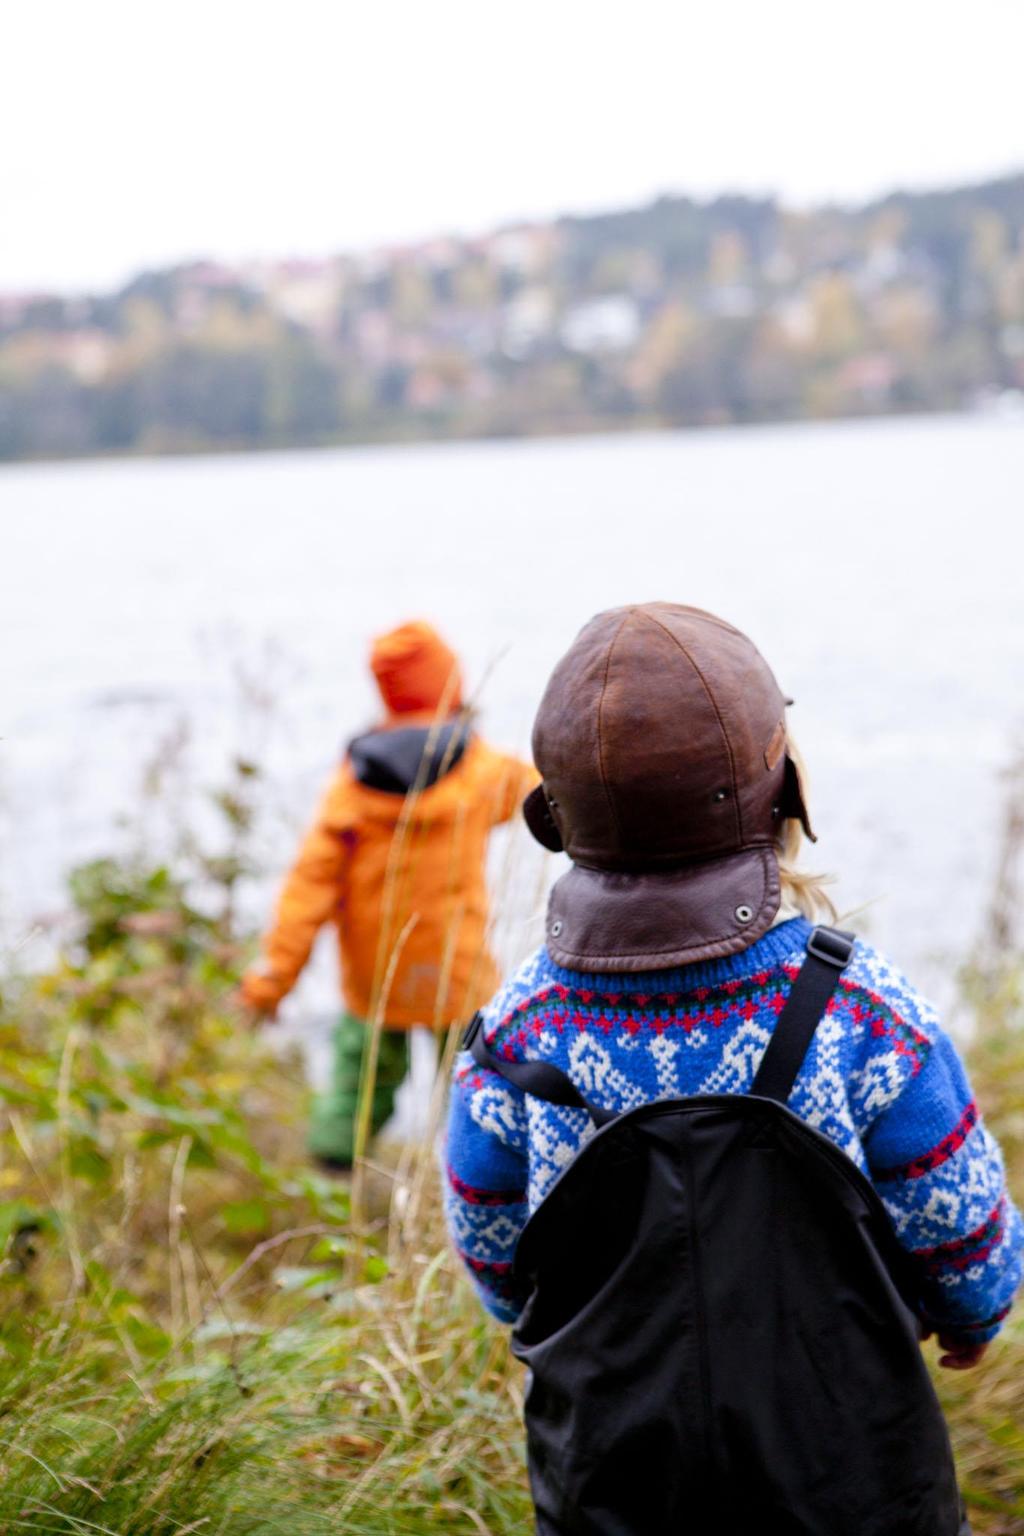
[(415, 670), (408, 757)]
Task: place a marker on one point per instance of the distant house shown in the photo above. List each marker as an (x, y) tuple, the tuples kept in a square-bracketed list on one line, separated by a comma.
[(85, 353), (306, 292), (526, 320), (608, 324)]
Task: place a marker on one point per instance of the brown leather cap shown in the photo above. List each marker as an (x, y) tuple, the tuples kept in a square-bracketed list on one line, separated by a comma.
[(661, 739)]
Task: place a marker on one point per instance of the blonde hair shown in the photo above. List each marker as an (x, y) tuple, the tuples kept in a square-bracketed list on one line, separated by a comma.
[(800, 889)]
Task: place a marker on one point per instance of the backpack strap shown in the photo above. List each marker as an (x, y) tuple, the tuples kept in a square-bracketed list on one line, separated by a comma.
[(539, 1078), (828, 954)]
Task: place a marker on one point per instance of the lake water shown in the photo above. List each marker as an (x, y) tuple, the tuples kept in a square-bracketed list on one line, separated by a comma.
[(877, 565)]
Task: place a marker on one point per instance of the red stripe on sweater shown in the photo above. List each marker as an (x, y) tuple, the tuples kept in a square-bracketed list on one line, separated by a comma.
[(473, 1195), (485, 1267), (972, 1249), (940, 1153)]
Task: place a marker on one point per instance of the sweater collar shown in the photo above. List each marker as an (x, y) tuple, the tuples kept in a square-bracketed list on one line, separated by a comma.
[(783, 942)]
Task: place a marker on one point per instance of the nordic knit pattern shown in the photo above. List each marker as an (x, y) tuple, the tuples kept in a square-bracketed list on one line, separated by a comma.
[(881, 1079)]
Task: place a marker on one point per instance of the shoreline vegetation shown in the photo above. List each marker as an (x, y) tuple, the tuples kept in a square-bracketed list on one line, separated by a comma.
[(200, 1334), (415, 438), (677, 314)]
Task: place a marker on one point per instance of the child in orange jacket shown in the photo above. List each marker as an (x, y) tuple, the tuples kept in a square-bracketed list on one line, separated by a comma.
[(395, 859)]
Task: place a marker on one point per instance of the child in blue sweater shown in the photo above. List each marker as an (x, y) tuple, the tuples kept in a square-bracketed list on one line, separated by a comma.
[(691, 1007)]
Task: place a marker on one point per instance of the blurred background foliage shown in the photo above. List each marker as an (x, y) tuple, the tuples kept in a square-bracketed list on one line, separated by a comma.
[(679, 313)]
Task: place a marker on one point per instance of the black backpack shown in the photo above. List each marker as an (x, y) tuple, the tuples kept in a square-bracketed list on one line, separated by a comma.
[(721, 1333)]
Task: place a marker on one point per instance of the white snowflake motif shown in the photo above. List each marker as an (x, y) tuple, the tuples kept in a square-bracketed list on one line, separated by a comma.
[(740, 1060), (665, 1052), (591, 1067), (556, 1135), (880, 1082), (501, 1232), (943, 1207), (821, 1100), (495, 1109), (550, 1141), (900, 1217), (461, 1222)]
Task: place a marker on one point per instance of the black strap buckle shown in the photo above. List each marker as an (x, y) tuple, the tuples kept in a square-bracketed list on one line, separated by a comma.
[(473, 1028), (833, 945)]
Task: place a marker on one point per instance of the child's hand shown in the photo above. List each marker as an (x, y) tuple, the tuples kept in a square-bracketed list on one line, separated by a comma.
[(257, 998), (959, 1355), (250, 1016)]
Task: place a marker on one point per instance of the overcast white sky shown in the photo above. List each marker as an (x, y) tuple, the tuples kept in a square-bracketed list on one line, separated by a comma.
[(135, 132)]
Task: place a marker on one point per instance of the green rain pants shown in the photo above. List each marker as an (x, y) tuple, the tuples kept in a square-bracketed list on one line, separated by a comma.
[(332, 1131)]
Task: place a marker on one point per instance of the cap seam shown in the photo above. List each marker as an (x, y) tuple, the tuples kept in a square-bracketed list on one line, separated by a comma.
[(600, 734), (718, 716), (713, 618)]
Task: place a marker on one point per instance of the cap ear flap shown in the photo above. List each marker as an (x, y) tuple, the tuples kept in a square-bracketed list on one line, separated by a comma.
[(792, 802), (540, 821)]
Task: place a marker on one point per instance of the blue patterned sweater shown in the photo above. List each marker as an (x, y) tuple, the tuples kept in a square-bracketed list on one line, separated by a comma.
[(881, 1079)]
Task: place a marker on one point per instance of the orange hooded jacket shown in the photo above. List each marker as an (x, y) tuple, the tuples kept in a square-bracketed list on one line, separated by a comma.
[(401, 875)]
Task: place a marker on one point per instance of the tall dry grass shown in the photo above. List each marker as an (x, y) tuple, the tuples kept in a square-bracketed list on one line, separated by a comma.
[(199, 1334)]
